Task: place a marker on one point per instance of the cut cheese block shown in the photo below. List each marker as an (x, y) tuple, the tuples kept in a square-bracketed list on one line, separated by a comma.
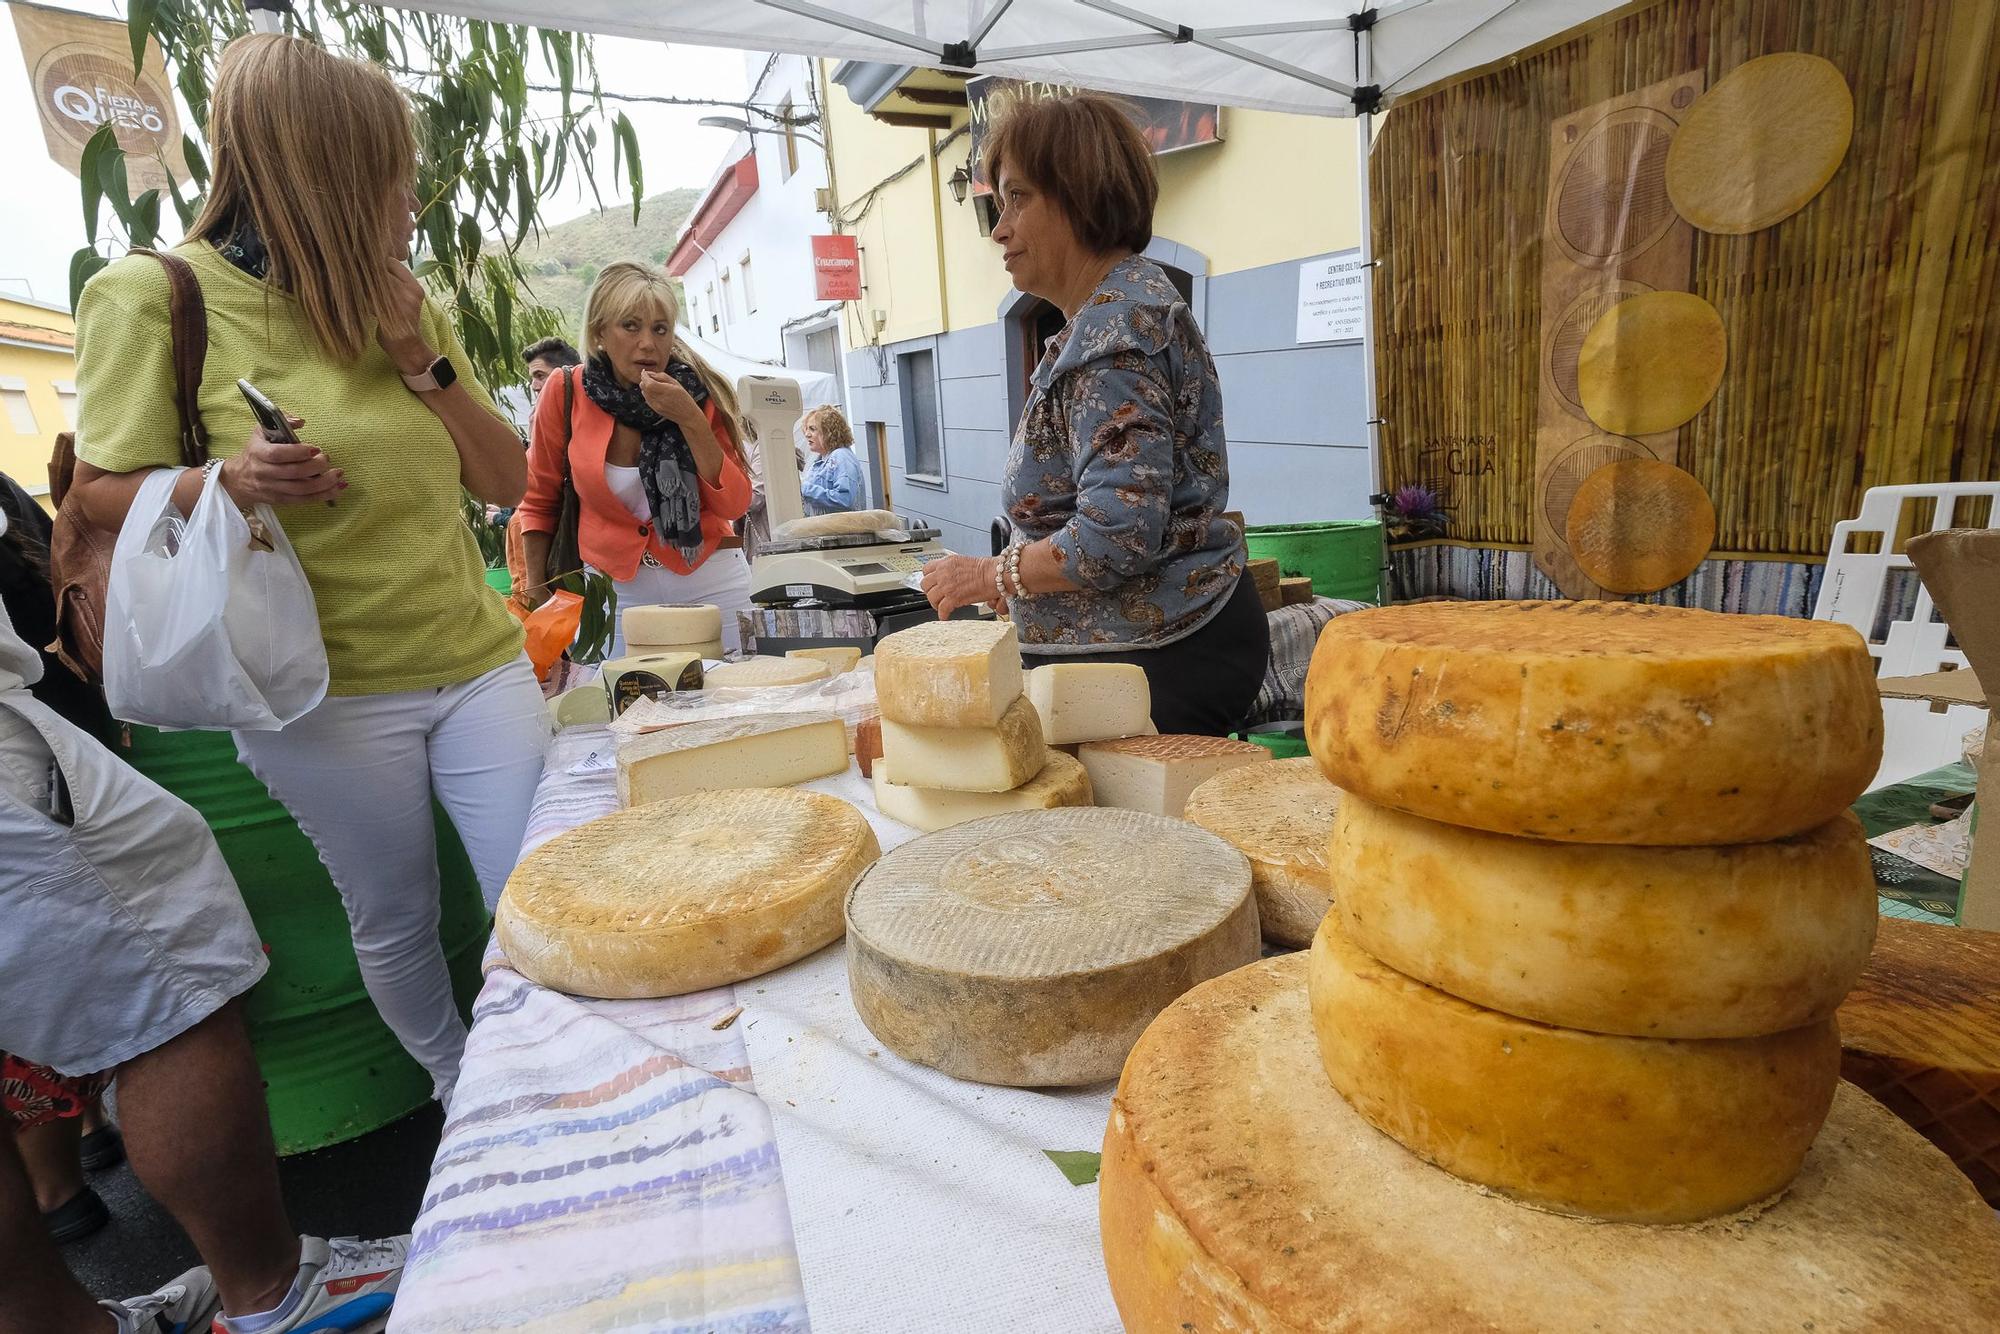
[(948, 673), (580, 706), (1239, 1192), (1032, 949), (1279, 815), (1641, 1130), (1651, 942), (968, 759), (1156, 773), (710, 650), (1062, 782), (838, 657), (868, 744), (765, 750), (757, 673), (1295, 590), (1091, 701), (673, 623), (648, 676), (1597, 722), (1921, 1032), (693, 893)]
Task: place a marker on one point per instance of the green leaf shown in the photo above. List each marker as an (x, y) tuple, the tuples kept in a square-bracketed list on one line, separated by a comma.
[(1079, 1165), (142, 223), (91, 170), (628, 138), (82, 265), (139, 26), (197, 162)]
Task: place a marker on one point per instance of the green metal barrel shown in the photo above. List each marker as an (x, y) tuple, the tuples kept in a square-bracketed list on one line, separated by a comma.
[(332, 1069), (1343, 558)]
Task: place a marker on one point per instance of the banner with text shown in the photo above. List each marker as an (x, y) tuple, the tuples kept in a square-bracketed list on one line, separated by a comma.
[(80, 71), (1167, 126), (836, 268)]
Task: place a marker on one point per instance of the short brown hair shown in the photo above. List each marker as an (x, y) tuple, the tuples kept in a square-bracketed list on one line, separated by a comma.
[(1085, 153), (833, 427)]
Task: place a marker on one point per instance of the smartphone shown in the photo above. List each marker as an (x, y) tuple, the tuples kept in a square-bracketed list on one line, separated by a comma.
[(276, 425)]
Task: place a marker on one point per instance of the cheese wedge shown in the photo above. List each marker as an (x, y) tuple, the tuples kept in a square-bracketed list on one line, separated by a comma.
[(648, 676), (967, 759), (1239, 1192), (1279, 815), (688, 894), (765, 750), (868, 744), (839, 657), (1724, 942), (1062, 782), (948, 673), (757, 673), (1597, 722), (1638, 1130), (1157, 773), (671, 623), (1032, 949), (1091, 701)]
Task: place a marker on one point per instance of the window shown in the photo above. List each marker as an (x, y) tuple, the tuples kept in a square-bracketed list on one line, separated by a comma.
[(923, 443), (749, 292), (878, 450), (66, 396), (788, 159), (14, 392), (714, 318), (729, 307)]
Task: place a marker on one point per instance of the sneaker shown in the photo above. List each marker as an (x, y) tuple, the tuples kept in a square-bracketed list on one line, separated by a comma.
[(188, 1305), (345, 1286)]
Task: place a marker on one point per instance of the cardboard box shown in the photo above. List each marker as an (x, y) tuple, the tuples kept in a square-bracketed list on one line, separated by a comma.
[(1961, 569)]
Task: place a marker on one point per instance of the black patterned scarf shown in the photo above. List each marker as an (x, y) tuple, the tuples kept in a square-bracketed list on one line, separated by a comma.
[(243, 247), (666, 463)]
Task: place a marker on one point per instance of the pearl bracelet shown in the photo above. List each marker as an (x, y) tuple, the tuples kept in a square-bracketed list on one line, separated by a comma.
[(1014, 568), (1000, 577)]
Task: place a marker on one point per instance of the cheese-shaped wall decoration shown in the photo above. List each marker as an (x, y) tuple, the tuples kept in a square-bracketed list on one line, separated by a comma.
[(1240, 1192), (687, 894), (1033, 948), (1596, 722), (948, 673), (763, 750), (967, 759), (1280, 816)]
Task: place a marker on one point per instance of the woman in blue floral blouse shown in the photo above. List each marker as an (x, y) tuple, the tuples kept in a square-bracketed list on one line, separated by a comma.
[(1118, 478)]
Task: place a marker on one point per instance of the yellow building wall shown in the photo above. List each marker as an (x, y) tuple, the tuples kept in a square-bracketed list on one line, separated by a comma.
[(25, 456), (897, 233)]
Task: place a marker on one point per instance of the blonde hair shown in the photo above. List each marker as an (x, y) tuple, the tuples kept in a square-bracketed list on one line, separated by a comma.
[(833, 427), (305, 142), (625, 287)]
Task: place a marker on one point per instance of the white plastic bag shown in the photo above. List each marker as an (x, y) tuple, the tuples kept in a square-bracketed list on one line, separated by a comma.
[(203, 629)]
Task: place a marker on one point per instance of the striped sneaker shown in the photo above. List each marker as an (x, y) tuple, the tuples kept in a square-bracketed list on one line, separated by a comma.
[(345, 1286), (187, 1305)]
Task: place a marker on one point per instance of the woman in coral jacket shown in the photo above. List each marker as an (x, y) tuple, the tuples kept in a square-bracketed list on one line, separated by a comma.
[(653, 444)]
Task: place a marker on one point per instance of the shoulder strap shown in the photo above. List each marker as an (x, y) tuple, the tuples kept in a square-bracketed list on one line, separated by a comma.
[(569, 413), (188, 320)]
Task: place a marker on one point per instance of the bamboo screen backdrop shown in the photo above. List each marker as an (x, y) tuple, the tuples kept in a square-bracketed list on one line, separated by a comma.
[(1863, 331)]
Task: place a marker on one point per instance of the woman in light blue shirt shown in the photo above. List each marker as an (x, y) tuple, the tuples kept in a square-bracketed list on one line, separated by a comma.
[(833, 482)]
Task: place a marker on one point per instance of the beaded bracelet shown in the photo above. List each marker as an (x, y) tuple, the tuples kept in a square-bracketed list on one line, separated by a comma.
[(1000, 577), (1014, 568)]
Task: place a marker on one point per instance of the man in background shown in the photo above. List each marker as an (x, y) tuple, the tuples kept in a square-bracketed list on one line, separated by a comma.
[(546, 358)]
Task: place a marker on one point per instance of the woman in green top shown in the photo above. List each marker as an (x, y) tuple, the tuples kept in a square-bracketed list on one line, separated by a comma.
[(300, 254)]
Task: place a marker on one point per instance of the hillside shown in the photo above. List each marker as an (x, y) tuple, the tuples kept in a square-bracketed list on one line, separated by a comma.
[(563, 261)]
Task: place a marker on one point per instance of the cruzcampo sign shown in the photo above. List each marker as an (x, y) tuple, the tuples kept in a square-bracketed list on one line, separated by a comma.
[(80, 69)]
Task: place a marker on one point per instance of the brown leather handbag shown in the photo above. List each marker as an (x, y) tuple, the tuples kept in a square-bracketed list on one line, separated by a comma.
[(79, 550)]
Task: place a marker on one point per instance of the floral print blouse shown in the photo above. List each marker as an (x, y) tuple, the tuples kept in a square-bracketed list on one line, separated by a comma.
[(1120, 462)]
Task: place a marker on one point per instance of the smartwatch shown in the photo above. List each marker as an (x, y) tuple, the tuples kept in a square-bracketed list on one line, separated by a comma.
[(441, 375)]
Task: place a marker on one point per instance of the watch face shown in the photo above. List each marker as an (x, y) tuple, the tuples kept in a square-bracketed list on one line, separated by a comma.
[(444, 373)]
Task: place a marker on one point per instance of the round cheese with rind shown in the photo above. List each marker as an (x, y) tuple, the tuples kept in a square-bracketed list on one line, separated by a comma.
[(1239, 1192), (756, 673), (1723, 942), (1032, 948), (671, 623), (963, 673), (686, 894), (1639, 1130), (1597, 722), (1279, 815)]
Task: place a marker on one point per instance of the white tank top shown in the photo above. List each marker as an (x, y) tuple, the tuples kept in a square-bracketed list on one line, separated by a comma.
[(625, 484)]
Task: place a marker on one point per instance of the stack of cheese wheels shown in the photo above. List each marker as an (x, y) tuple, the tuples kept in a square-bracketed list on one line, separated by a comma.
[(1599, 898), (673, 628), (960, 740)]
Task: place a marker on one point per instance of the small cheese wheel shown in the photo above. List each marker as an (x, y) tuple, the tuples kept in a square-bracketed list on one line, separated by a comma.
[(686, 894), (671, 623), (1722, 942), (1032, 949), (708, 649), (1638, 1130), (1597, 722), (1279, 815), (1062, 782), (948, 673), (967, 759), (839, 657), (758, 673), (1239, 1192)]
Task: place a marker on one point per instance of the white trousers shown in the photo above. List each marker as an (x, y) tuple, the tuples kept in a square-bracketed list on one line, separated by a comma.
[(722, 579), (358, 774)]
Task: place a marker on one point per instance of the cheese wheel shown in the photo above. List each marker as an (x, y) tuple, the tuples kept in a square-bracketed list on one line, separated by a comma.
[(1032, 949), (580, 706), (1597, 722), (1650, 942), (839, 657), (1157, 773), (1279, 815), (710, 650), (967, 759), (1641, 1130), (1062, 782), (948, 673), (686, 894), (671, 623), (758, 673), (624, 681), (763, 750), (1239, 1192)]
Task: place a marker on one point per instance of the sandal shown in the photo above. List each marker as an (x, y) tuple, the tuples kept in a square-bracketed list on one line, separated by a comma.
[(101, 1148), (82, 1215)]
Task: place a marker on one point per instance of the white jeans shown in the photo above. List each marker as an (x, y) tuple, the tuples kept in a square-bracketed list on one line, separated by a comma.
[(358, 774), (722, 579)]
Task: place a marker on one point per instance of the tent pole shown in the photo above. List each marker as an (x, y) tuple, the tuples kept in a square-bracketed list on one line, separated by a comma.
[(1364, 75)]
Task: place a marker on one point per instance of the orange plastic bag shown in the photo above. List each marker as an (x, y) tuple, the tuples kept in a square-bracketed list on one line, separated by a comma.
[(551, 629)]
